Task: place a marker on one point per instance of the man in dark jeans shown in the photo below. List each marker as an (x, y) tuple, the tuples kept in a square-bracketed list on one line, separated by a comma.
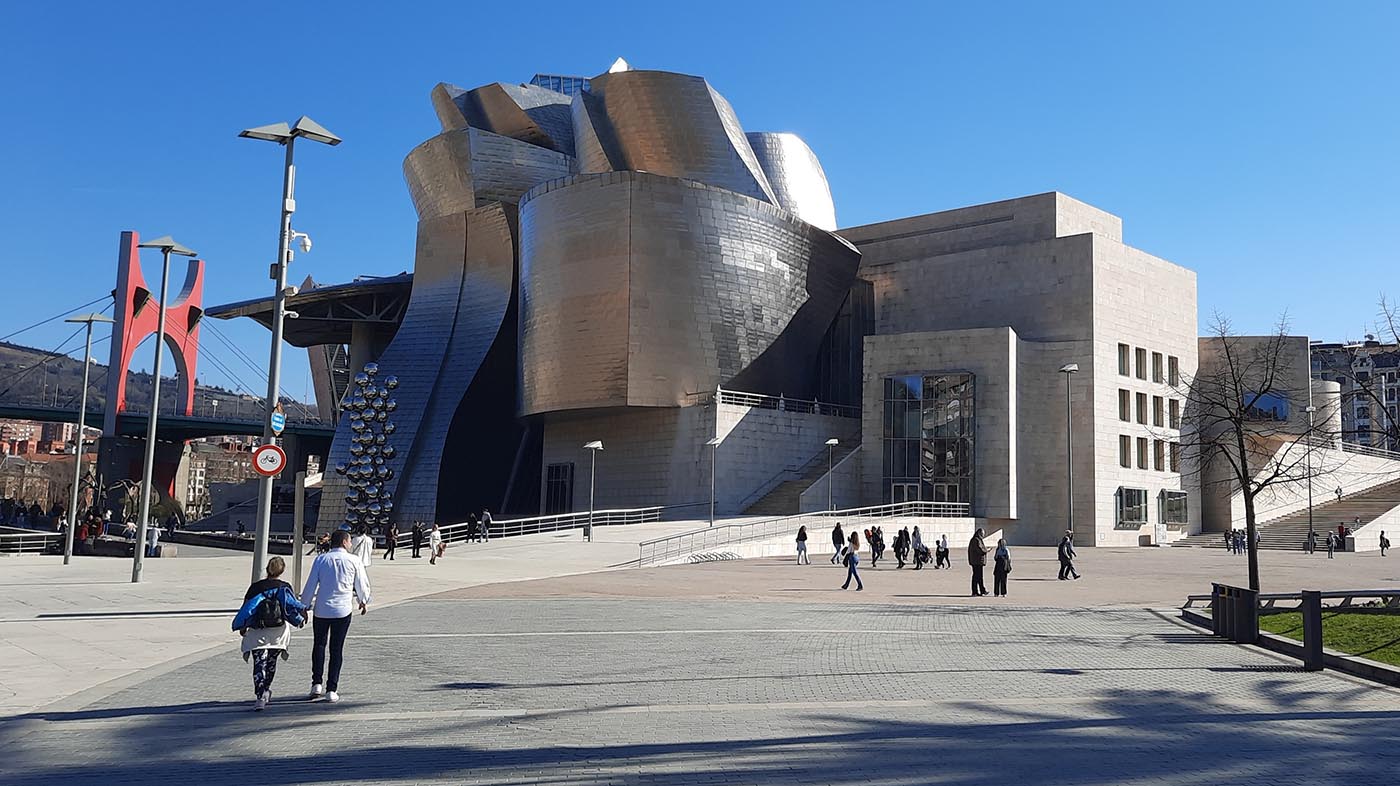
[(336, 580), (977, 558), (1067, 555), (417, 538)]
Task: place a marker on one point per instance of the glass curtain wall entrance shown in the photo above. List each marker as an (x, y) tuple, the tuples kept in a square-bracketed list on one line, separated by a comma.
[(929, 437)]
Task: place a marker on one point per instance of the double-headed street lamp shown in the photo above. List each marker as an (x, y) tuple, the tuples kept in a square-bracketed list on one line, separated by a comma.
[(282, 134), (89, 320), (167, 246), (593, 448), (1069, 369)]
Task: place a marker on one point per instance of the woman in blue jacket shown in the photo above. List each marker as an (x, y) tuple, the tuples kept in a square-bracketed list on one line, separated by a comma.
[(270, 610)]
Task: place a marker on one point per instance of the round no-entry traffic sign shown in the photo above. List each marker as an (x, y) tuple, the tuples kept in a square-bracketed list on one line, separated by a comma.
[(269, 460)]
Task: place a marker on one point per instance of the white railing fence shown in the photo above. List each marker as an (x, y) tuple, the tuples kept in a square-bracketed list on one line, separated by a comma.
[(674, 547), (536, 524), (27, 543)]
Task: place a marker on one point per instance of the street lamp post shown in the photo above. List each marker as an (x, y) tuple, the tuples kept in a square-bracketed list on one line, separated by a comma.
[(714, 454), (593, 448), (830, 449), (286, 136), (167, 246), (1310, 409), (1068, 369), (89, 320)]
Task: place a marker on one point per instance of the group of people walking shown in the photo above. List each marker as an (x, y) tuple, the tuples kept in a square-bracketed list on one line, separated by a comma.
[(846, 552), (337, 584)]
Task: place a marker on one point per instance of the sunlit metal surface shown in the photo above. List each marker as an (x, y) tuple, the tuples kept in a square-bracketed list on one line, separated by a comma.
[(796, 176)]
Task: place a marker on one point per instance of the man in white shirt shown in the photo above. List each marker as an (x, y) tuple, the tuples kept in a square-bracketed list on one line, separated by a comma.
[(337, 578), (362, 545)]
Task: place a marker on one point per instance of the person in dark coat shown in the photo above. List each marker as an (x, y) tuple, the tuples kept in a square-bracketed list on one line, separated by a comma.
[(901, 547), (1067, 555), (391, 541), (1001, 569), (1385, 543), (977, 558), (838, 542), (417, 539)]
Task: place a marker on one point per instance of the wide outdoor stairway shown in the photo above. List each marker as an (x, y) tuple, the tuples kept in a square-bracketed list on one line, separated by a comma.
[(1289, 531), (784, 499)]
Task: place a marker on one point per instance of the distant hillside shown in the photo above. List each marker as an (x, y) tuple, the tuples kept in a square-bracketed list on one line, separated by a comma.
[(57, 382)]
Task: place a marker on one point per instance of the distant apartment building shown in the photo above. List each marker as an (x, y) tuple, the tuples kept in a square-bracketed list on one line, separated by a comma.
[(1369, 375), (209, 462)]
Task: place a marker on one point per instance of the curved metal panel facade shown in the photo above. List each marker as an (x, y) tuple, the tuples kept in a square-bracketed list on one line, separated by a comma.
[(796, 176), (439, 175), (457, 170), (641, 290), (463, 277), (673, 125)]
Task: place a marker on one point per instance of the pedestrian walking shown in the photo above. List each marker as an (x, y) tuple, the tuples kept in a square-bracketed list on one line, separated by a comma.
[(391, 541), (802, 546), (336, 582), (1331, 543), (852, 559), (877, 546), (1385, 543), (417, 539), (436, 547), (362, 546), (838, 542), (1339, 493), (901, 546), (1066, 555), (1001, 568), (270, 610), (944, 557), (977, 558), (1310, 545), (921, 555), (486, 525)]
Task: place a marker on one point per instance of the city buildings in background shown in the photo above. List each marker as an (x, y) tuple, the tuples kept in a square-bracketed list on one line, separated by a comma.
[(1369, 375)]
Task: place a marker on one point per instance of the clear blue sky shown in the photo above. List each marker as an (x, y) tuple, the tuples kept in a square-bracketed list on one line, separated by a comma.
[(1254, 142)]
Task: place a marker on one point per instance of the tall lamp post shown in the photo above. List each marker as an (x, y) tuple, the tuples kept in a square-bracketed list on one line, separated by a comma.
[(1069, 369), (714, 453), (167, 246), (1310, 409), (830, 449), (593, 448), (286, 136), (89, 320)]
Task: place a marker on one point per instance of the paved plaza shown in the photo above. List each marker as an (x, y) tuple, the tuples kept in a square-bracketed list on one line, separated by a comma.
[(752, 672)]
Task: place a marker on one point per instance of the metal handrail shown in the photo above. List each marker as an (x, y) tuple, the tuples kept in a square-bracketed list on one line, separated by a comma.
[(783, 403), (674, 547), (552, 523), (26, 543), (1390, 597)]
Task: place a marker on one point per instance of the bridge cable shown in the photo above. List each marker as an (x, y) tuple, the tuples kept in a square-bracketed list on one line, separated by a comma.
[(60, 316)]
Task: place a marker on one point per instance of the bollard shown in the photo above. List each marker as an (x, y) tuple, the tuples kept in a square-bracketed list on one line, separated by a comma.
[(1217, 610), (1312, 630), (298, 529), (1247, 616)]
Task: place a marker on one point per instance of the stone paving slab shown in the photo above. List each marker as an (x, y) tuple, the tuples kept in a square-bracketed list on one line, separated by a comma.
[(676, 691)]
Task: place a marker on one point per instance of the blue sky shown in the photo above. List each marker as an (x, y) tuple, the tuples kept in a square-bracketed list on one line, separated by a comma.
[(1254, 142)]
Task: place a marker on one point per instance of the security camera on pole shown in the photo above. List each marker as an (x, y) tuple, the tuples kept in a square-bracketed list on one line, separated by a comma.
[(285, 136)]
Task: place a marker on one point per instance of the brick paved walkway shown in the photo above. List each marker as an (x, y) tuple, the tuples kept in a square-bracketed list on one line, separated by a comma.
[(665, 691)]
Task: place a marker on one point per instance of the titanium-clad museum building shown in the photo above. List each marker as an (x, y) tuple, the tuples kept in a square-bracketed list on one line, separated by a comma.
[(618, 259)]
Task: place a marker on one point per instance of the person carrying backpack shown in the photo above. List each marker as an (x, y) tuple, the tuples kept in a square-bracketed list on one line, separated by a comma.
[(270, 610)]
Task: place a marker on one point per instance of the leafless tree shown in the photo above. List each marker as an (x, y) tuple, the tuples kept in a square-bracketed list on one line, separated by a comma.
[(1244, 425)]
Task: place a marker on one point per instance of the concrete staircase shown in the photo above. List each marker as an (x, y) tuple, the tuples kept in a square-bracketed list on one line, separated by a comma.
[(783, 499), (1288, 532)]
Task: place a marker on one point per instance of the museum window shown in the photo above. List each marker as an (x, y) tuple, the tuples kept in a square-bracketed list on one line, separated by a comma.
[(1172, 507), (1174, 454), (1142, 452), (559, 488), (1124, 357), (1125, 451), (929, 437), (1132, 506), (1173, 371), (1174, 414), (1141, 356), (1125, 406), (1142, 408), (1156, 366), (1159, 417), (1159, 455)]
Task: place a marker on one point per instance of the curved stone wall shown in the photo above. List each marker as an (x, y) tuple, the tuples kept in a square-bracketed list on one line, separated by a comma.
[(642, 290), (796, 176)]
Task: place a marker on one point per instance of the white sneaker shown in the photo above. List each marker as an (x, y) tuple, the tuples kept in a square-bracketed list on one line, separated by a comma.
[(332, 697), (260, 704), (317, 691)]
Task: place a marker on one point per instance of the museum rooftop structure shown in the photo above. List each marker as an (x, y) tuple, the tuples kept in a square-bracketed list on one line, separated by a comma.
[(615, 259)]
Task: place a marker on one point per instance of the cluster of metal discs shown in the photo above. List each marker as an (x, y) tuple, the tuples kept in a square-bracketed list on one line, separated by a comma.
[(368, 500)]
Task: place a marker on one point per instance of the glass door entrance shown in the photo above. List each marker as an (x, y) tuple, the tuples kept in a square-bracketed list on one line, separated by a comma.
[(904, 492), (945, 492)]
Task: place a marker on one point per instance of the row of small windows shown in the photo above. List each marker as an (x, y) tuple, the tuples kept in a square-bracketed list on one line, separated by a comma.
[(1132, 506), (1132, 361), (1166, 456), (1165, 412)]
